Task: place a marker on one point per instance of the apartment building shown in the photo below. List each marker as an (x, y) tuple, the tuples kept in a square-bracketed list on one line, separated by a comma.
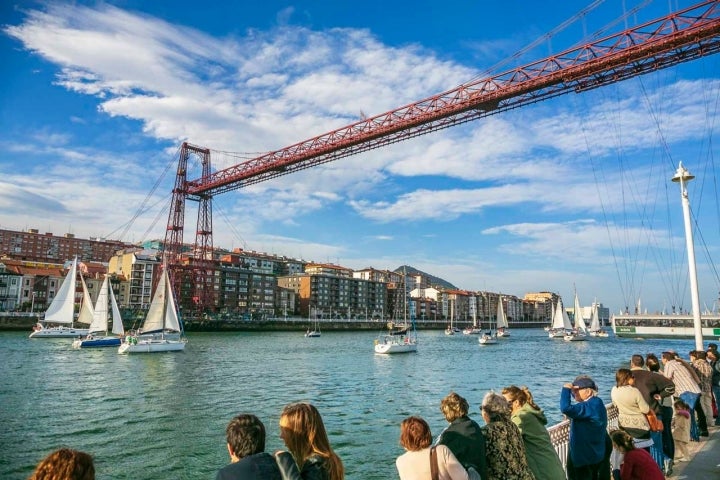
[(31, 245), (332, 291)]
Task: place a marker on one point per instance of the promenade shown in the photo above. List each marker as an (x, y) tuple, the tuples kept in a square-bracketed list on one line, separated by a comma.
[(705, 459)]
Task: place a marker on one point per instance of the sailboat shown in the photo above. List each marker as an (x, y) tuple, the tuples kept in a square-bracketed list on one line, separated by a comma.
[(451, 330), (313, 332), (595, 329), (403, 340), (490, 338), (579, 333), (161, 331), (98, 332), (503, 330), (473, 330), (561, 322), (61, 311), (547, 328)]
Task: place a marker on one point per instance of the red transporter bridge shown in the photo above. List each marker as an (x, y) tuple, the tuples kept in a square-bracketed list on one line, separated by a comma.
[(676, 38)]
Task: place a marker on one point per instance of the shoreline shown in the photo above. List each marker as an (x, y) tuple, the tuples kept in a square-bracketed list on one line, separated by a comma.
[(25, 323)]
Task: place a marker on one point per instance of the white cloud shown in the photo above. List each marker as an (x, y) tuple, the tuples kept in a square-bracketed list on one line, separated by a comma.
[(585, 156)]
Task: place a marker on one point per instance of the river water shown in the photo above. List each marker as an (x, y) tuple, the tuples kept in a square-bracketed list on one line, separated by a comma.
[(163, 416)]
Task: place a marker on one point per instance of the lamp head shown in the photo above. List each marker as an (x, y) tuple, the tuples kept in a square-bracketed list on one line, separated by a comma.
[(682, 174)]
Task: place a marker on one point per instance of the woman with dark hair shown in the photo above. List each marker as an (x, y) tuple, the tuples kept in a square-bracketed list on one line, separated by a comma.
[(666, 415), (463, 435), (530, 419), (65, 464), (310, 456), (631, 405), (637, 464), (419, 460), (504, 446)]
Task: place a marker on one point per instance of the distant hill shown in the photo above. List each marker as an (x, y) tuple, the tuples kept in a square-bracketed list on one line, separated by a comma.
[(434, 281)]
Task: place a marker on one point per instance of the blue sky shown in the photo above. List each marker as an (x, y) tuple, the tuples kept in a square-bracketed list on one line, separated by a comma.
[(572, 192)]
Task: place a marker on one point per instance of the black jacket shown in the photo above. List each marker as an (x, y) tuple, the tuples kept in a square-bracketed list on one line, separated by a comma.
[(652, 383), (261, 466), (465, 440), (313, 469)]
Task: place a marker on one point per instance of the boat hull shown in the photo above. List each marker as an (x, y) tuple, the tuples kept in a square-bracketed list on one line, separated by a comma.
[(389, 348), (599, 334), (152, 346), (664, 326), (59, 332), (312, 334), (487, 340), (97, 342)]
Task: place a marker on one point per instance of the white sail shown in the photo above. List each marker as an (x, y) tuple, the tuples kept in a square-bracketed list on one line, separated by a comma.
[(86, 310), (162, 314), (560, 321), (595, 319), (117, 328), (62, 307), (172, 322), (579, 321), (501, 318), (100, 316)]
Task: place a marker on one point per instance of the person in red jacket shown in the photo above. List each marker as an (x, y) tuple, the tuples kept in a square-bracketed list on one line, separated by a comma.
[(637, 463)]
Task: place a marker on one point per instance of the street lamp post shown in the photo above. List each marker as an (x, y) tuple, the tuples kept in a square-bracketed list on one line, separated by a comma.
[(682, 176)]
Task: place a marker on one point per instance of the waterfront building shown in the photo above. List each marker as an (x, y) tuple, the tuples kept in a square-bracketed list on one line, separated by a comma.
[(330, 291), (134, 269), (542, 304), (31, 286), (425, 308), (10, 283), (31, 245), (247, 290)]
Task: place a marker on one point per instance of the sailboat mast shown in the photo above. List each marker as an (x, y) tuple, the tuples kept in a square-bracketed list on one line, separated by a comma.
[(405, 295), (165, 297)]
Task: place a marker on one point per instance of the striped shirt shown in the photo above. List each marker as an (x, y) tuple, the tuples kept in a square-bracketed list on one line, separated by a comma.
[(682, 379)]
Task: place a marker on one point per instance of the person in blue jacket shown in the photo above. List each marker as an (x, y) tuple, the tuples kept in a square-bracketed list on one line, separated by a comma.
[(590, 445)]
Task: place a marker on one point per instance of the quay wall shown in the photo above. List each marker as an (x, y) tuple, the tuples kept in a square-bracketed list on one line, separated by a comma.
[(24, 321)]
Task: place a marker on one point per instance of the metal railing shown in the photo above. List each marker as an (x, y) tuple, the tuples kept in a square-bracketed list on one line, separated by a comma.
[(560, 433)]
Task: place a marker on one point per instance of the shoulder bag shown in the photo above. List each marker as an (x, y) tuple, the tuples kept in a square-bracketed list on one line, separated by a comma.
[(434, 474), (654, 422)]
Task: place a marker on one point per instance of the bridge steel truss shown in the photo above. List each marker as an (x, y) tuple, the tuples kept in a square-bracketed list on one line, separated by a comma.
[(679, 37)]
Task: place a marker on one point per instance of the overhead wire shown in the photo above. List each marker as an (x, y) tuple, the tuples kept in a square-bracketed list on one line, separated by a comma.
[(142, 208)]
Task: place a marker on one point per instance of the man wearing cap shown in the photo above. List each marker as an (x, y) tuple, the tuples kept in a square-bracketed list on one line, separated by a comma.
[(590, 445)]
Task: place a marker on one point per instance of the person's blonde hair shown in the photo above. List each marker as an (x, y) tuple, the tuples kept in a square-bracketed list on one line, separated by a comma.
[(521, 394), (454, 406), (65, 464), (304, 434)]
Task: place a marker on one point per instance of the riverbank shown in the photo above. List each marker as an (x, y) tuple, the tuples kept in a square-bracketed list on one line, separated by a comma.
[(25, 321)]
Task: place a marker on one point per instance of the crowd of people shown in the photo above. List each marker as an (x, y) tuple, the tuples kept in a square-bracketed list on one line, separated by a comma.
[(662, 405)]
